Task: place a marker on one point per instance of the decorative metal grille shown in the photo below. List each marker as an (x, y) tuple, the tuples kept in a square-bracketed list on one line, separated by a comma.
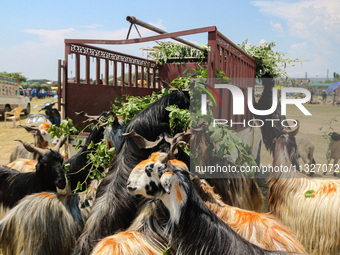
[(110, 55)]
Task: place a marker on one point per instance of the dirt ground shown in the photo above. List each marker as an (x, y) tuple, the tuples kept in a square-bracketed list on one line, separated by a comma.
[(312, 127)]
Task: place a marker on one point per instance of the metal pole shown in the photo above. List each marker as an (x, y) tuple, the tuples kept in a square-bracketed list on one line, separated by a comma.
[(133, 20)]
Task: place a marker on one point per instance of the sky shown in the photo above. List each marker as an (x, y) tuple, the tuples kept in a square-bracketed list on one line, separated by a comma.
[(32, 32)]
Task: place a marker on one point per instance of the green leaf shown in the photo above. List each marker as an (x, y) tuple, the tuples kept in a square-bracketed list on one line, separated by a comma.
[(167, 251), (217, 135), (78, 144), (309, 193), (118, 100)]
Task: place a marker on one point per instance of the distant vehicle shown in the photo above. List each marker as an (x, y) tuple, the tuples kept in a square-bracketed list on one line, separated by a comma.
[(39, 93), (12, 96)]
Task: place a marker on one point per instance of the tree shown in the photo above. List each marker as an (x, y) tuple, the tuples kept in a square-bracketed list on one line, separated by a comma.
[(35, 85), (336, 76), (17, 76)]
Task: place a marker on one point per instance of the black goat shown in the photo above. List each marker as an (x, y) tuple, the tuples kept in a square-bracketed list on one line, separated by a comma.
[(192, 227), (115, 208), (79, 165), (265, 103), (49, 176)]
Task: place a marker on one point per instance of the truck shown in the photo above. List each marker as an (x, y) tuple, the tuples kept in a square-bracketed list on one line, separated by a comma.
[(81, 94), (39, 93), (12, 96)]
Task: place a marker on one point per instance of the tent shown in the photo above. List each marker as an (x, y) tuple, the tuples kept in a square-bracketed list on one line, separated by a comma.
[(333, 86)]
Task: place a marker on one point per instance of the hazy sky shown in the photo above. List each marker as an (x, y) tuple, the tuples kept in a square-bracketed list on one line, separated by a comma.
[(32, 32)]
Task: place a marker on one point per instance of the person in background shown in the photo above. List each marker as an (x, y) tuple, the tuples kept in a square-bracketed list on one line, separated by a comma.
[(311, 95), (324, 96), (333, 97)]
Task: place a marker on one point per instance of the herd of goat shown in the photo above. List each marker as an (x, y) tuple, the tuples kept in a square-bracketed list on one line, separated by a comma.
[(150, 202)]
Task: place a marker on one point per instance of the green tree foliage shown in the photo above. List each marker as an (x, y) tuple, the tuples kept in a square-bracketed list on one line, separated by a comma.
[(17, 76)]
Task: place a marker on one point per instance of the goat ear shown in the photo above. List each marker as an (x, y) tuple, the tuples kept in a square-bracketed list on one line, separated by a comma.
[(166, 181)]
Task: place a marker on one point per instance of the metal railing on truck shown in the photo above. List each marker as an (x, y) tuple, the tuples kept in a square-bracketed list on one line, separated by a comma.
[(96, 96)]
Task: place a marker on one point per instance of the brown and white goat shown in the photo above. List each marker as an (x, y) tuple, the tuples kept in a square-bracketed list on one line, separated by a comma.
[(314, 218), (258, 228), (23, 160), (42, 139), (192, 227)]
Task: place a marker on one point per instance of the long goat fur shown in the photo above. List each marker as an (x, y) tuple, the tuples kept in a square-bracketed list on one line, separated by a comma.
[(23, 165), (315, 220), (144, 236), (46, 223), (192, 227), (258, 228), (115, 208)]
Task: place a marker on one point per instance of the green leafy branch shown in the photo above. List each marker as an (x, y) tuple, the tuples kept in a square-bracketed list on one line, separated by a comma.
[(268, 61)]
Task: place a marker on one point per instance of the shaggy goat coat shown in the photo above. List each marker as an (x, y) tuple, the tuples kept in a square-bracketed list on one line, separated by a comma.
[(115, 208), (192, 227), (258, 228), (23, 165), (146, 235), (315, 220), (46, 223)]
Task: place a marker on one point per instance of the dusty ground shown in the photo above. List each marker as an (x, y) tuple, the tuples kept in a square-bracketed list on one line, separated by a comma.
[(8, 133), (309, 127), (313, 127)]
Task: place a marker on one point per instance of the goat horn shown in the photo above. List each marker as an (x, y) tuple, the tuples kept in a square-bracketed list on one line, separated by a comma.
[(29, 129), (166, 85), (184, 136), (200, 128), (142, 142), (296, 130), (82, 113), (173, 150), (60, 143), (32, 148)]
